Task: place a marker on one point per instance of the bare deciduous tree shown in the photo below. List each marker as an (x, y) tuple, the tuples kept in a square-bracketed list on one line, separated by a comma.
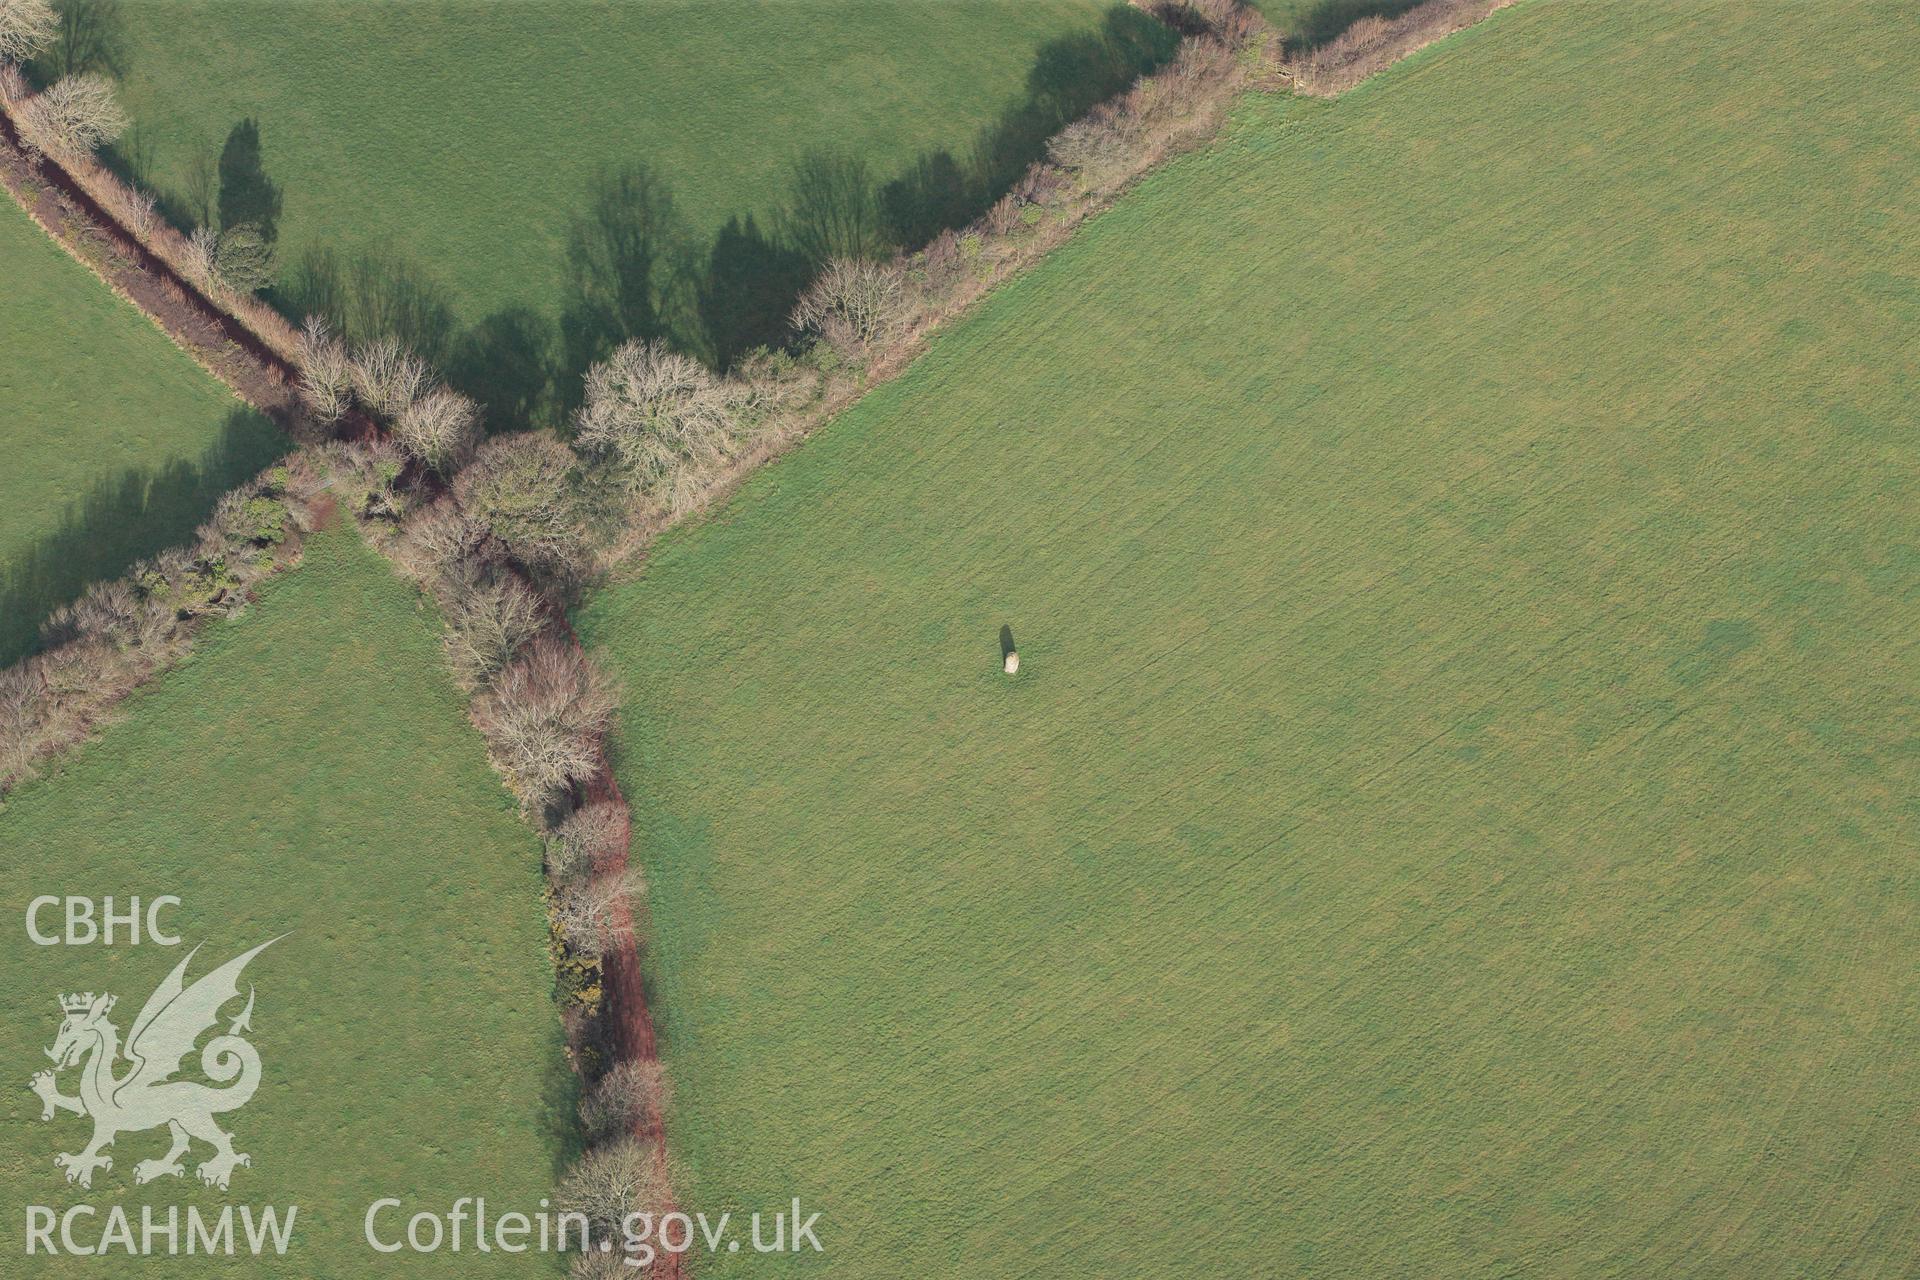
[(1375, 41), (543, 719), (75, 115), (490, 619), (625, 1098), (591, 837), (612, 1264), (202, 259), (440, 428), (610, 1182), (440, 545), (853, 304), (117, 612), (140, 211), (660, 417), (387, 377), (1095, 146), (26, 27), (596, 914), (326, 374)]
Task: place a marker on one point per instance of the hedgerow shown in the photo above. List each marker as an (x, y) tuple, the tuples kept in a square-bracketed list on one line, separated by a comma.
[(119, 634), (1373, 43), (498, 533)]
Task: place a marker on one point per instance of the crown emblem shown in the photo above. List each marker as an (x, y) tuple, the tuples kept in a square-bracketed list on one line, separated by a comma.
[(81, 1002)]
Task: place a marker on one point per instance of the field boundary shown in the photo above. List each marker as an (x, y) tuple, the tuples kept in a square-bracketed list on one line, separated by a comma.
[(1229, 51), (222, 344), (1372, 44), (260, 375)]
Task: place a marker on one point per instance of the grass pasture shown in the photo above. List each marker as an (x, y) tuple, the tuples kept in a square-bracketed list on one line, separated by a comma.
[(1455, 815), (115, 443), (309, 772), (460, 143)]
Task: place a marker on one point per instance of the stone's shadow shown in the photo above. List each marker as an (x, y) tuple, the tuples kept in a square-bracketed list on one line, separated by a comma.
[(124, 518)]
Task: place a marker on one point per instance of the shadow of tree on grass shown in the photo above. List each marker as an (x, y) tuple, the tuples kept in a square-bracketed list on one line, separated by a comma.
[(635, 270), (1330, 17), (124, 518), (247, 196)]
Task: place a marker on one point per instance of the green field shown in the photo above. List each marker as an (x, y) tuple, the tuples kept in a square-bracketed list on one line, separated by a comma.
[(309, 772), (463, 139), (115, 443), (1455, 816)]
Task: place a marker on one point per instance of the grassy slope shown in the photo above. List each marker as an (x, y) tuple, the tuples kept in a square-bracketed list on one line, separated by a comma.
[(115, 443), (464, 135), (309, 772), (1455, 814)]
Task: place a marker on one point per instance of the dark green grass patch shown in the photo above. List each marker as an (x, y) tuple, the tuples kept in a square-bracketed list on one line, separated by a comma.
[(309, 772), (1454, 816), (113, 444)]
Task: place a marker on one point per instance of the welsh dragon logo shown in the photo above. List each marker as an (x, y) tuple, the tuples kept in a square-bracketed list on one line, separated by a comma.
[(141, 1096)]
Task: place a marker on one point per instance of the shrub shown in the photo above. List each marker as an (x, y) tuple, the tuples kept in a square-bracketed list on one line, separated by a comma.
[(440, 428), (854, 304), (364, 474), (118, 613), (661, 418), (244, 258), (26, 27), (386, 376), (609, 1182), (624, 1099), (590, 838), (244, 519), (326, 374), (523, 489), (75, 115), (543, 720), (260, 519)]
